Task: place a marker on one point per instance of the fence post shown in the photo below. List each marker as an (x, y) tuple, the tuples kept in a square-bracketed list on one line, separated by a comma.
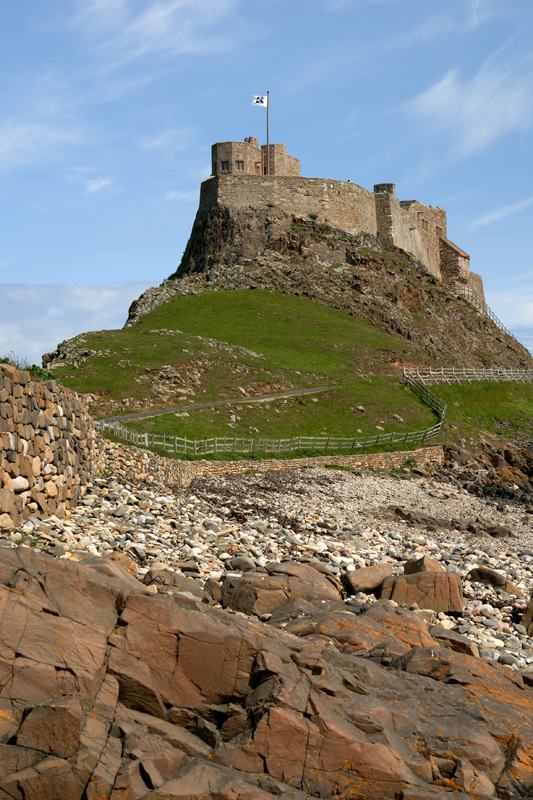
[(175, 444), (214, 444), (194, 446)]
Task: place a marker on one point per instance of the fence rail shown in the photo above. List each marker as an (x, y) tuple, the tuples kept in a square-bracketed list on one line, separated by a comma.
[(451, 375), (237, 444), (480, 305)]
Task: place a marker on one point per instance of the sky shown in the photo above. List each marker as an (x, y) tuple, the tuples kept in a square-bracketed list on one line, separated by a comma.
[(108, 109)]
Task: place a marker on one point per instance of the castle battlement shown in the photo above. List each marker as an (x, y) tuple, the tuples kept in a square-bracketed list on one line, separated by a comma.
[(239, 181)]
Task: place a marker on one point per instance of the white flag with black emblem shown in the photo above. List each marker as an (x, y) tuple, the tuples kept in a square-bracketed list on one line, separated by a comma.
[(260, 100)]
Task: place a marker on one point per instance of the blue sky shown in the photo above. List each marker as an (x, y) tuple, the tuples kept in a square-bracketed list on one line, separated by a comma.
[(108, 109)]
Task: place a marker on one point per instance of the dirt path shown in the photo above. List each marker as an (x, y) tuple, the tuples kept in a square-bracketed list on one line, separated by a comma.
[(254, 399)]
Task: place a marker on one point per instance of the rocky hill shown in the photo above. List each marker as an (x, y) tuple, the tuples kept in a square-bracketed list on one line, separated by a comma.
[(371, 280)]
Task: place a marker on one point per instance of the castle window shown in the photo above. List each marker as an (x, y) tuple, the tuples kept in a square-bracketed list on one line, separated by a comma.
[(439, 231), (224, 165), (425, 226), (239, 165)]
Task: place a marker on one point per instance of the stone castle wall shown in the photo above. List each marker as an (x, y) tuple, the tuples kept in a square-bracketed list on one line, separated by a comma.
[(49, 448), (410, 225)]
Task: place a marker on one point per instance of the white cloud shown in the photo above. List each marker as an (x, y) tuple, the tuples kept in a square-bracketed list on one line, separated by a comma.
[(125, 30), (170, 140), (473, 113), (500, 213), (98, 185), (27, 143), (36, 318)]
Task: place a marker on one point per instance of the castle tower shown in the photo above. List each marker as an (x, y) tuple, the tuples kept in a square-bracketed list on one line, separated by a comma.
[(247, 158)]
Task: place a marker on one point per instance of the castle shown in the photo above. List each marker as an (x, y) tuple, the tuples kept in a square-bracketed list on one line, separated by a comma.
[(239, 180)]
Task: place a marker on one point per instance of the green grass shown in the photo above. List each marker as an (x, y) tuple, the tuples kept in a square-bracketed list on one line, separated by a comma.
[(331, 413), (500, 409), (299, 343)]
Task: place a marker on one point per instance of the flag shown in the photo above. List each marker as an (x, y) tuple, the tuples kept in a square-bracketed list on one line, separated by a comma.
[(260, 100)]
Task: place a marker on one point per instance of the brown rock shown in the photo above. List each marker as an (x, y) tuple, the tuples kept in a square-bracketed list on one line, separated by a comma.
[(527, 618), (124, 562), (297, 716), (6, 523), (439, 591), (489, 577), (454, 641), (53, 728), (367, 579), (260, 594), (500, 532), (422, 564)]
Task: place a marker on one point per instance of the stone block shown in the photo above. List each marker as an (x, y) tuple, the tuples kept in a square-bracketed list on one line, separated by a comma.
[(439, 591)]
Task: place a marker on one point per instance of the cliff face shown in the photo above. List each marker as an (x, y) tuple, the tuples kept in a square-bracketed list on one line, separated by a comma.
[(358, 273)]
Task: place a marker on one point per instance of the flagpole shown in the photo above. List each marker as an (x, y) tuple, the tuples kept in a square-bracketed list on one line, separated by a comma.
[(268, 133)]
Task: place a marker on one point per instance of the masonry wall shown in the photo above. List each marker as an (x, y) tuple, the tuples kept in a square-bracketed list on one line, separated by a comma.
[(249, 154), (475, 281), (48, 448), (343, 205), (135, 464), (412, 226), (455, 264)]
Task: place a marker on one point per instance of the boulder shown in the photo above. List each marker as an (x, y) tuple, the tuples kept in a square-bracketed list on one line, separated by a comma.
[(454, 641), (439, 591), (500, 532), (527, 618), (260, 594), (422, 564), (366, 579), (489, 577)]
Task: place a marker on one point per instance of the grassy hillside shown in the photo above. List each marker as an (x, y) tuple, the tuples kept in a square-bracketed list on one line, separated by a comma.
[(220, 345), (228, 344), (498, 409)]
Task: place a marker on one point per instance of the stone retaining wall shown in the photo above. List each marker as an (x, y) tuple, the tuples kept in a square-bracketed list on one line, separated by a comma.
[(48, 448), (134, 464)]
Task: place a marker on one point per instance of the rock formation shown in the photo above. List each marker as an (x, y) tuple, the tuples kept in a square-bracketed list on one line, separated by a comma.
[(111, 691), (357, 273)]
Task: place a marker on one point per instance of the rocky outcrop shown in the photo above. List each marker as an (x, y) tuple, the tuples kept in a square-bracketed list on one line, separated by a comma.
[(360, 274), (110, 690)]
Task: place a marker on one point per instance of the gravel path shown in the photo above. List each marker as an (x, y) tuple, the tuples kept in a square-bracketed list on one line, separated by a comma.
[(253, 399)]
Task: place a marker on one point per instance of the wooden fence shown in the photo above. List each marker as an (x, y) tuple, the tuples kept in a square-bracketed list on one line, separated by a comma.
[(451, 375), (236, 444)]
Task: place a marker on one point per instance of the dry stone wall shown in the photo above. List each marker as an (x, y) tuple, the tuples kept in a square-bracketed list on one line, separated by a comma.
[(48, 448), (133, 463)]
